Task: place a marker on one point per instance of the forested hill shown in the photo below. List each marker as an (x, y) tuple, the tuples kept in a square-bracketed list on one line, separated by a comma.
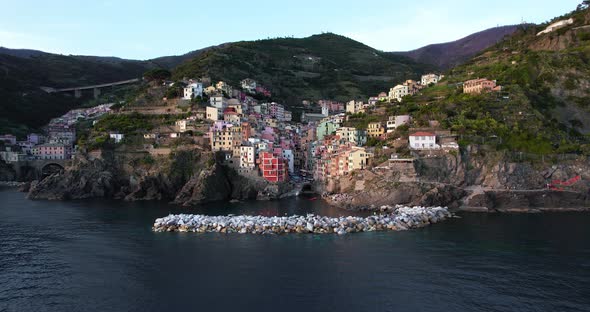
[(24, 106), (316, 67)]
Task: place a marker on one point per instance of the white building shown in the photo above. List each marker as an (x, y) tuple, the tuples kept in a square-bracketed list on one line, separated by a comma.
[(247, 157), (118, 137), (193, 90), (181, 124), (288, 155), (396, 121), (423, 140), (218, 101), (430, 78), (398, 92)]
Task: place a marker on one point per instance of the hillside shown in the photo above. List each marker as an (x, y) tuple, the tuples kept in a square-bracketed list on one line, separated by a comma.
[(543, 107), (450, 54), (24, 106), (320, 66)]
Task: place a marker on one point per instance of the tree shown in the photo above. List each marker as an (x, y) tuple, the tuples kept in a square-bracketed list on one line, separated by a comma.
[(157, 74)]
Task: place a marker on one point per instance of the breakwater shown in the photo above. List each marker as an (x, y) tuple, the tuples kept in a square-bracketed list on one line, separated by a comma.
[(11, 183), (402, 218)]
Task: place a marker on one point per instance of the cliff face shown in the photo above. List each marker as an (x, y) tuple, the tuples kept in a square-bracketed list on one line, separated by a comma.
[(6, 172), (186, 178), (472, 181)]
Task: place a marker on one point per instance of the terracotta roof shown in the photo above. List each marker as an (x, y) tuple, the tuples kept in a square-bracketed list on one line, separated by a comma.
[(423, 133)]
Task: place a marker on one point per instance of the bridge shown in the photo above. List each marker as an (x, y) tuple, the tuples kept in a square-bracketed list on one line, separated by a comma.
[(39, 168), (96, 88)]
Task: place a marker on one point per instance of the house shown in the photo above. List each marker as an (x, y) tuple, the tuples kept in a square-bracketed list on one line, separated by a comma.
[(248, 85), (193, 90), (247, 132), (373, 100), (396, 121), (212, 113), (118, 137), (224, 88), (423, 140), (324, 128), (247, 157), (375, 130), (52, 151), (225, 137), (288, 116), (354, 107), (358, 159), (35, 138), (289, 158), (150, 136), (230, 115), (181, 124), (413, 86), (352, 135), (273, 168), (210, 90), (477, 86), (218, 101), (8, 139), (382, 96), (398, 92), (430, 78)]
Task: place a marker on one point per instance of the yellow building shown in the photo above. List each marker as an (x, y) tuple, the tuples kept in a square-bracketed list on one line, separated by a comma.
[(375, 130), (226, 137), (358, 159)]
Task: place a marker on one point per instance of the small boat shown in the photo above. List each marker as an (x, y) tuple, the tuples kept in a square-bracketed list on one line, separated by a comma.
[(313, 198)]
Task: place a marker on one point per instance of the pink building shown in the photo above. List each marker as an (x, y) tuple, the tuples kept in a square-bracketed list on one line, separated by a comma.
[(52, 151), (477, 86)]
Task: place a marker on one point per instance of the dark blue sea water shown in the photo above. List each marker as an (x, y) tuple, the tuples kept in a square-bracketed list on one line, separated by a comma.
[(102, 256)]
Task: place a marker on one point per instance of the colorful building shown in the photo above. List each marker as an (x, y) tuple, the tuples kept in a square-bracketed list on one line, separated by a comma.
[(477, 86), (273, 168), (375, 130)]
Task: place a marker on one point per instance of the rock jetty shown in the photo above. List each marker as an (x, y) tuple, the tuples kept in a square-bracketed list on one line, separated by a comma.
[(11, 183), (402, 218)]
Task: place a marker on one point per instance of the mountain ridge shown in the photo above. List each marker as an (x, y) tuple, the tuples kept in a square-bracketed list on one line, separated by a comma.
[(449, 54)]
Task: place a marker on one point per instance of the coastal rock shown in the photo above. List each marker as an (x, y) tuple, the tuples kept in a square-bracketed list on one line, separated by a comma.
[(402, 218)]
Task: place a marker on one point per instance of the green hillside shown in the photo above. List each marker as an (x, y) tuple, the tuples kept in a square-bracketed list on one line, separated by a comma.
[(545, 103), (320, 66), (24, 107)]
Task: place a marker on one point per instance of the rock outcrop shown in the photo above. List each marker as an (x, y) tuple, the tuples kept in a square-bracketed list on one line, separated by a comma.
[(477, 180), (186, 178)]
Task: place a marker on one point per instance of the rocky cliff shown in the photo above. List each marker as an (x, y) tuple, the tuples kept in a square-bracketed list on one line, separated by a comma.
[(187, 177), (6, 172), (475, 180)]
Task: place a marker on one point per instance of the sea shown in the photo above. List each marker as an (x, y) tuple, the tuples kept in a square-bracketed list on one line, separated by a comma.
[(100, 255)]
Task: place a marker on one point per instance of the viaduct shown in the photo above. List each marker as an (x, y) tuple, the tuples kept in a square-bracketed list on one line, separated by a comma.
[(96, 88)]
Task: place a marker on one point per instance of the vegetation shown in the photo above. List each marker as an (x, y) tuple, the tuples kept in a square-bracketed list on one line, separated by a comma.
[(320, 66), (25, 107)]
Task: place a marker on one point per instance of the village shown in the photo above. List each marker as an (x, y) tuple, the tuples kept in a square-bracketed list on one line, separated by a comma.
[(258, 138)]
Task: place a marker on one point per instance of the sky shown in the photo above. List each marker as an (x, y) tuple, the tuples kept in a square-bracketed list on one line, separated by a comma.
[(147, 29)]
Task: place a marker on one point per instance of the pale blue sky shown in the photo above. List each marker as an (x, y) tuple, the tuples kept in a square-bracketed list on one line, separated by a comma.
[(147, 29)]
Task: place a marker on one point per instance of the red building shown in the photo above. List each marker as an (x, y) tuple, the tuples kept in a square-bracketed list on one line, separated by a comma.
[(246, 131), (273, 168)]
